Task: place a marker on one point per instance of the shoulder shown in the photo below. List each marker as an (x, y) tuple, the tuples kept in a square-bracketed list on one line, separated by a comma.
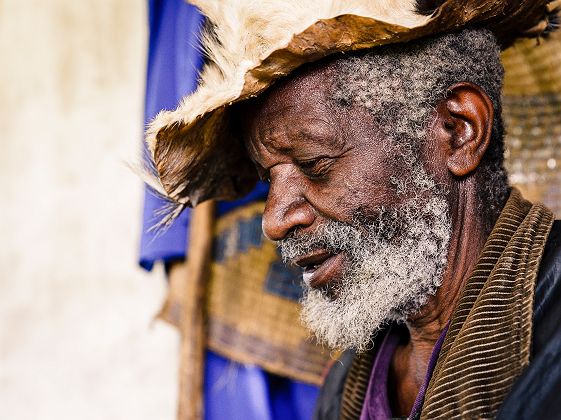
[(535, 394), (547, 295)]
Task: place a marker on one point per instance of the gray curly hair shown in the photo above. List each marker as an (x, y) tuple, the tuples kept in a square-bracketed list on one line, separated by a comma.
[(401, 84)]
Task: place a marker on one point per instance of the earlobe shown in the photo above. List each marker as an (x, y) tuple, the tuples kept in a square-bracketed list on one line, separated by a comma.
[(469, 124)]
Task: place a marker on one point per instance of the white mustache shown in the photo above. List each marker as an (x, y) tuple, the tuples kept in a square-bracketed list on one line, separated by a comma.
[(333, 237), (336, 237)]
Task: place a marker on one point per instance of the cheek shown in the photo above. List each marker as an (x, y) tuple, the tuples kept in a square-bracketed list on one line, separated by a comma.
[(371, 180), (361, 188), (331, 200), (435, 160), (369, 191)]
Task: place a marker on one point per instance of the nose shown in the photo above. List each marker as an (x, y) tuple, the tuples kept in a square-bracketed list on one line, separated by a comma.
[(286, 208)]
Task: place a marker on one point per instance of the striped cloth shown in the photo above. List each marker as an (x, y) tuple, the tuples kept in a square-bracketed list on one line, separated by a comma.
[(488, 342)]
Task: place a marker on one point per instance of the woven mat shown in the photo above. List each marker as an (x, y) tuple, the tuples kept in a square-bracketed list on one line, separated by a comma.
[(532, 113), (253, 309)]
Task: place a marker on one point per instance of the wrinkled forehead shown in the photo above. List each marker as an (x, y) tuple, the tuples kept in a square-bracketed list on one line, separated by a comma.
[(304, 93)]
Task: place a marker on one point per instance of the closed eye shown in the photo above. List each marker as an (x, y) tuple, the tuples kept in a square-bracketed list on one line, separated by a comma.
[(316, 168)]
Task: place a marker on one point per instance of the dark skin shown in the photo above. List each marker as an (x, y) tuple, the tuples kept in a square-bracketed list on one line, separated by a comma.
[(325, 161)]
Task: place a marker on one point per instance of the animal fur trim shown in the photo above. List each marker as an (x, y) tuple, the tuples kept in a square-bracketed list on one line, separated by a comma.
[(255, 42)]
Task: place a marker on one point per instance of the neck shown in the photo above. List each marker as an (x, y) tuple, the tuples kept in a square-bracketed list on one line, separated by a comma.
[(467, 239), (466, 243)]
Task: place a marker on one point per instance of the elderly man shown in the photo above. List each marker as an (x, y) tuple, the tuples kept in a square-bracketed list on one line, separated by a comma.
[(387, 187), (387, 177)]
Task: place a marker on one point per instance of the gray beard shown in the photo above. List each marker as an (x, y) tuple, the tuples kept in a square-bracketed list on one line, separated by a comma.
[(394, 262)]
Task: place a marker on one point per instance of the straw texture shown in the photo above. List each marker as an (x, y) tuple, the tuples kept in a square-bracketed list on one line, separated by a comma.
[(532, 113), (252, 301)]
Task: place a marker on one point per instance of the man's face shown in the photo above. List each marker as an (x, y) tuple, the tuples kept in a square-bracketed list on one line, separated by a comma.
[(369, 250)]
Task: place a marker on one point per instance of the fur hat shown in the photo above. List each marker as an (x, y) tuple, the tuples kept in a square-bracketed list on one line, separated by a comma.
[(252, 43)]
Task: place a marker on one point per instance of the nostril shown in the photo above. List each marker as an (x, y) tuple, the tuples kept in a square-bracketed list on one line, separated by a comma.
[(279, 221)]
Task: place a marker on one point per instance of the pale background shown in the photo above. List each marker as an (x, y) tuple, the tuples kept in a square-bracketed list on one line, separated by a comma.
[(77, 339)]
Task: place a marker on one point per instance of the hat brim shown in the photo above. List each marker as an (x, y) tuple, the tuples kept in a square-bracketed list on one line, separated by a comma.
[(197, 157)]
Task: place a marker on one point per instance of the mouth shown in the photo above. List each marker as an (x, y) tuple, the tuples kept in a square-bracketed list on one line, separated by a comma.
[(320, 268)]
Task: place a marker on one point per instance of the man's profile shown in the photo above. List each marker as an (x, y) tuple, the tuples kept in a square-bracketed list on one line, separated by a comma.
[(388, 188)]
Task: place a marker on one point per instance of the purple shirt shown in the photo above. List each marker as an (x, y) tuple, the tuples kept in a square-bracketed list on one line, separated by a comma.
[(376, 402)]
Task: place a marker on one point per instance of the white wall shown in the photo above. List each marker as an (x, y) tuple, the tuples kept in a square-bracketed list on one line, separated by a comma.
[(76, 339)]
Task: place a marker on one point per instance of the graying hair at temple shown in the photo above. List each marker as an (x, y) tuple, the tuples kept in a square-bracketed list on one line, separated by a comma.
[(401, 84)]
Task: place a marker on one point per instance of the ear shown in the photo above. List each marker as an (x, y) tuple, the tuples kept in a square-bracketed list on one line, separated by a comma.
[(466, 121)]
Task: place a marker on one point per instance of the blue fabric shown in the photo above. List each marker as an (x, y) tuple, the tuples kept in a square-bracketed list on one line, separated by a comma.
[(173, 66), (238, 391), (174, 61), (232, 390)]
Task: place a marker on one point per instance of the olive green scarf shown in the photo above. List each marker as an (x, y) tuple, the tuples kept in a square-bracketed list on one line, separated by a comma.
[(488, 342)]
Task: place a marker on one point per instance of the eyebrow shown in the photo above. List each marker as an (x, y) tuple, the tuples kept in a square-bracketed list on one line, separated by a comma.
[(323, 133), (329, 140)]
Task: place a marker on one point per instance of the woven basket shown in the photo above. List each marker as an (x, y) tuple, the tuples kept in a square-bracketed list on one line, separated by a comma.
[(252, 302)]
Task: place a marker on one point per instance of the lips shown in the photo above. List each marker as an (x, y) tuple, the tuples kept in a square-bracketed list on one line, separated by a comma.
[(320, 268)]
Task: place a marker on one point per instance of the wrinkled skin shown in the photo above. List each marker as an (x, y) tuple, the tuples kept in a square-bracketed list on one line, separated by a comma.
[(328, 162)]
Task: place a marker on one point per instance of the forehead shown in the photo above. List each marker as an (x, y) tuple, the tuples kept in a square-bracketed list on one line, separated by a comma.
[(296, 109), (309, 86)]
